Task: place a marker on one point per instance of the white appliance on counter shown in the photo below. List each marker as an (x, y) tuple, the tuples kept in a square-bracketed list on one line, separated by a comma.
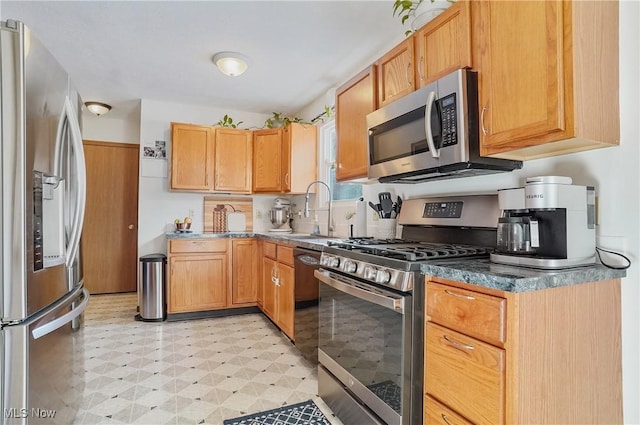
[(43, 192)]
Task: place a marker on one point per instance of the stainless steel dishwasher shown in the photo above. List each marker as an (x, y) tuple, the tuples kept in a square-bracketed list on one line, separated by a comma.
[(306, 261)]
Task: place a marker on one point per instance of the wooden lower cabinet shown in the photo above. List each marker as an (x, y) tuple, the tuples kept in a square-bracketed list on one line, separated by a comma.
[(278, 286), (545, 356), (245, 271), (211, 274)]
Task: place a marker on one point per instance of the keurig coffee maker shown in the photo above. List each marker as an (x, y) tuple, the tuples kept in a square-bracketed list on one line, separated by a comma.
[(548, 224)]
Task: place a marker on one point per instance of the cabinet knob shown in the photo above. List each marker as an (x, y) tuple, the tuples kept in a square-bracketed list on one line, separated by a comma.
[(131, 226)]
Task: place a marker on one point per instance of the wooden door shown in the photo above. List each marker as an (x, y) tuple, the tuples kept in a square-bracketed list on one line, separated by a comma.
[(396, 73), (354, 100), (521, 66), (267, 160), (444, 44), (285, 300), (245, 271), (269, 269), (198, 282), (191, 157), (233, 160), (110, 234)]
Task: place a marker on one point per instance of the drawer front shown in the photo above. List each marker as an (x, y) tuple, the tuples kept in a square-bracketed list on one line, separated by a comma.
[(466, 374), (285, 255), (269, 250), (198, 245), (438, 413), (471, 313)]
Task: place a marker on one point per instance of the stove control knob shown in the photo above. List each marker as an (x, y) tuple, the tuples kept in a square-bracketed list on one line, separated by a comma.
[(333, 262), (350, 266), (383, 276), (370, 273)]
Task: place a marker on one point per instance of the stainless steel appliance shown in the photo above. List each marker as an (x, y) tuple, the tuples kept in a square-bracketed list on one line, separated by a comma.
[(548, 224), (280, 216), (305, 325), (431, 134), (371, 310), (43, 199)]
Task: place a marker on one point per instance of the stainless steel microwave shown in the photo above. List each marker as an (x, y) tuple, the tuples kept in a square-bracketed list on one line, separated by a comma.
[(430, 134)]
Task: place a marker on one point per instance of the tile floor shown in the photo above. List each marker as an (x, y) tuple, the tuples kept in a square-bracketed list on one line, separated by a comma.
[(190, 372)]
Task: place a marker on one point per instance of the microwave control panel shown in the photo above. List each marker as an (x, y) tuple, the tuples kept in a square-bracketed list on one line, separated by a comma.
[(449, 117)]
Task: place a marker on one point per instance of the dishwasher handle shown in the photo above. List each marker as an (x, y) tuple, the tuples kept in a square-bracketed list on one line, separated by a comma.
[(308, 260)]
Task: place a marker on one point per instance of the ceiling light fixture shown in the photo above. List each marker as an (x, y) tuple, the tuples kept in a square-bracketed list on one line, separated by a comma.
[(231, 63), (98, 108)]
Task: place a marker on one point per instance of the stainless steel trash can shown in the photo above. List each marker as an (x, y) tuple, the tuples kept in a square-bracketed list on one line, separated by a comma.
[(151, 288)]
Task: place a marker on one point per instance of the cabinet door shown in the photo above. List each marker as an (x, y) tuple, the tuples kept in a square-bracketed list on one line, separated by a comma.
[(444, 44), (191, 157), (245, 271), (233, 160), (300, 157), (269, 270), (396, 73), (267, 160), (354, 101), (197, 282), (520, 70), (285, 301)]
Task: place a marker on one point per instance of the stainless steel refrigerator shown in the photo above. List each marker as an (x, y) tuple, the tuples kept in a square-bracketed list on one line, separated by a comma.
[(43, 191)]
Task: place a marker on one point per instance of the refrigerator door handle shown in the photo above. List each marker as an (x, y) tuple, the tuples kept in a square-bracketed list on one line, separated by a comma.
[(76, 148), (58, 322)]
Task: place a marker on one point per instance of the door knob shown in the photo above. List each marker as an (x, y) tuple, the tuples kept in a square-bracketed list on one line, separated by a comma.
[(131, 227)]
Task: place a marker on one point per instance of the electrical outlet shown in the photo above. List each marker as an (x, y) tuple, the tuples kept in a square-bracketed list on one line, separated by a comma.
[(258, 214), (191, 213)]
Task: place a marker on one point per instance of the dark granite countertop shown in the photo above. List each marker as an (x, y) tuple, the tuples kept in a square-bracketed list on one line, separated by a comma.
[(291, 239), (484, 273)]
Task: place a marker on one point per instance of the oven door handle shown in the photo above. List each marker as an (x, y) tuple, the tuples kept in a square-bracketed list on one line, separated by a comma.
[(352, 287)]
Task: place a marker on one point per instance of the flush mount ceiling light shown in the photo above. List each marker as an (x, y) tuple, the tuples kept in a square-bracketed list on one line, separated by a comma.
[(98, 108), (231, 63)]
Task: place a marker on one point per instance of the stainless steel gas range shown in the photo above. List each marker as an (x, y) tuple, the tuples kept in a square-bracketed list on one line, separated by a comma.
[(371, 309)]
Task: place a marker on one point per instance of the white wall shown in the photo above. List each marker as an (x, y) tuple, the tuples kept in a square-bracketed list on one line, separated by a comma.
[(158, 207), (112, 127)]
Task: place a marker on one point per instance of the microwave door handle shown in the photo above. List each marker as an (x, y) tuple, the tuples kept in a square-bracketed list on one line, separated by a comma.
[(427, 125)]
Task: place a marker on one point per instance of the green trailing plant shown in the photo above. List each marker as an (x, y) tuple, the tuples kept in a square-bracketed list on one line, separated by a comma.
[(406, 9), (279, 120), (227, 121)]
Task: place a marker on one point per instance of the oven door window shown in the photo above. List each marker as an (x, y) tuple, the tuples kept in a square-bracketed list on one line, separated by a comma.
[(404, 136), (365, 339)]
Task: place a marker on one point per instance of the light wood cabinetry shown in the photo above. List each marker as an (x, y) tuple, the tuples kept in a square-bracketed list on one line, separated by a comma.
[(210, 159), (396, 72), (191, 157), (198, 275), (245, 271), (285, 159), (443, 44), (354, 100), (546, 356), (548, 76), (278, 286), (233, 160)]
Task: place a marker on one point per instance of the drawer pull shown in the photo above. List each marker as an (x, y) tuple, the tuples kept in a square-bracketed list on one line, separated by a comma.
[(458, 344), (444, 418), (453, 294)]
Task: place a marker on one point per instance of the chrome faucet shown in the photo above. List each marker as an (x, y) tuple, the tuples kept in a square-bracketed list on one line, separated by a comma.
[(306, 205)]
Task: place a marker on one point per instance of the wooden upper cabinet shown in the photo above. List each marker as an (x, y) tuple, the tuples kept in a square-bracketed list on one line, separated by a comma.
[(191, 157), (396, 73), (233, 160), (267, 160), (548, 76), (443, 44), (285, 159), (300, 153), (354, 100)]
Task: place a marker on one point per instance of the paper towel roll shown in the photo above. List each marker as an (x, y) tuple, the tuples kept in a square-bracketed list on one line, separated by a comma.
[(360, 228)]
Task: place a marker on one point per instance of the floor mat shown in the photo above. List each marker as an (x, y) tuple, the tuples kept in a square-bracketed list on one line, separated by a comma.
[(305, 413)]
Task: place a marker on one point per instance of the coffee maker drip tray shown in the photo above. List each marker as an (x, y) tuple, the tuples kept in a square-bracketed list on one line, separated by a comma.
[(538, 262)]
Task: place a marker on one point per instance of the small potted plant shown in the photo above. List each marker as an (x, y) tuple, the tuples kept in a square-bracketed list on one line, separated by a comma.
[(279, 120), (227, 121), (418, 12)]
